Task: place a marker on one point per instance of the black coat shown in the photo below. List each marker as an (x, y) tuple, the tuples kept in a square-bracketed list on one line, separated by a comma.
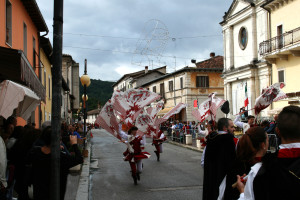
[(219, 157), (41, 171), (278, 178)]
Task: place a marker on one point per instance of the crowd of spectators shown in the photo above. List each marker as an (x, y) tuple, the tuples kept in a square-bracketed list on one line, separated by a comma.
[(25, 159)]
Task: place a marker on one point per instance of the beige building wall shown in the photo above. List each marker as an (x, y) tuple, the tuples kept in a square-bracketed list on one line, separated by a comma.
[(291, 69), (286, 15), (46, 80), (189, 92)]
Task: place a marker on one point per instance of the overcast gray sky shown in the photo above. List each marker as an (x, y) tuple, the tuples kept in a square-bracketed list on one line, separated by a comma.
[(107, 33)]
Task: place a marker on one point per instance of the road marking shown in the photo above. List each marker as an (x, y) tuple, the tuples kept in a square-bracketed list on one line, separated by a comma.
[(176, 188)]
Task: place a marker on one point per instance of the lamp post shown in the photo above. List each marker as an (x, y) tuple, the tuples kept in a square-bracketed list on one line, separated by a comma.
[(85, 81)]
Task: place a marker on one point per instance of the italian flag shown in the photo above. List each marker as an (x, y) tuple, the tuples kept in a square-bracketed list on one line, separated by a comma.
[(246, 102)]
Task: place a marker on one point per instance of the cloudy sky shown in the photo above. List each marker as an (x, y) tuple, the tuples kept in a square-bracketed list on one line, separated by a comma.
[(123, 36)]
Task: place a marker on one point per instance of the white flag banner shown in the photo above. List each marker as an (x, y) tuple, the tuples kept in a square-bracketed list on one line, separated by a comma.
[(216, 103), (107, 119), (152, 111), (269, 95), (203, 112), (172, 112), (131, 103), (145, 124)]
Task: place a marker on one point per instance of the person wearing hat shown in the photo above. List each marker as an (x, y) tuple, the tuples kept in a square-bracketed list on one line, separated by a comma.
[(133, 153)]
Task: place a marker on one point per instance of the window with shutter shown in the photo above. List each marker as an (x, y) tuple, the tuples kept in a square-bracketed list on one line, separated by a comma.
[(281, 76), (154, 89), (181, 83), (162, 89), (170, 86), (202, 81)]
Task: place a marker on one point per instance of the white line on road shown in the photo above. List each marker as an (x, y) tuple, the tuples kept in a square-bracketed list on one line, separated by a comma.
[(176, 188)]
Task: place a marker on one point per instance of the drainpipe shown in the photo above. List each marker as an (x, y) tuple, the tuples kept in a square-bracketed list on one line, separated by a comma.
[(40, 76)]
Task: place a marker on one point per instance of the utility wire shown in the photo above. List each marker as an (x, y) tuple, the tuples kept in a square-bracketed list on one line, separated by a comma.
[(135, 53), (136, 38)]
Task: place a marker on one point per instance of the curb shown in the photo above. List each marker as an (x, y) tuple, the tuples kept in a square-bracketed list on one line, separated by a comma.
[(83, 187), (186, 146)]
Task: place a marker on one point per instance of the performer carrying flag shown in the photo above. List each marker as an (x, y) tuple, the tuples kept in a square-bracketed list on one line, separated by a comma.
[(134, 154), (157, 142)]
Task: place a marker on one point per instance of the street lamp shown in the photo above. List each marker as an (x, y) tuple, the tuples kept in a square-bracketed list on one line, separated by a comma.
[(85, 81)]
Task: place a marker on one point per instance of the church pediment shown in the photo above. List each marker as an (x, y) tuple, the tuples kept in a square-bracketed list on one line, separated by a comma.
[(237, 6)]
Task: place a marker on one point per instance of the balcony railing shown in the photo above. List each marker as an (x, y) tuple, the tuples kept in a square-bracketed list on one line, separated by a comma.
[(285, 40)]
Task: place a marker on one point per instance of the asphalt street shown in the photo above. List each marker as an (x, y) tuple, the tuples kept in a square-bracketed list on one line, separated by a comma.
[(177, 176)]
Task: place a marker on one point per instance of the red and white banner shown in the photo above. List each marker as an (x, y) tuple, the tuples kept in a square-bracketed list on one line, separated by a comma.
[(172, 112), (152, 111), (209, 106), (203, 112), (131, 103), (145, 123), (269, 95), (216, 103), (107, 119)]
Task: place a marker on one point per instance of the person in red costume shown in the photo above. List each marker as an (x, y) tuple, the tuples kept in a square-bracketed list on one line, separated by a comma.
[(133, 153), (157, 142)]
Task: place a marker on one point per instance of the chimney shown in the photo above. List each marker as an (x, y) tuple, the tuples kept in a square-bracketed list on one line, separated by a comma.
[(146, 69), (212, 54)]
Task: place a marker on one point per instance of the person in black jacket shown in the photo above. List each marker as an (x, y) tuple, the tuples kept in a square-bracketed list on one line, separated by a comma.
[(279, 176), (218, 158), (40, 158)]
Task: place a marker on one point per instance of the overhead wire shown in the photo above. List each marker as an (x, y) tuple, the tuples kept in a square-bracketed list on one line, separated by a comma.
[(137, 38)]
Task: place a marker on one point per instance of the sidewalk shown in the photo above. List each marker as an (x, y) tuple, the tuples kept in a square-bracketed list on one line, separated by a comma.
[(78, 181), (192, 146)]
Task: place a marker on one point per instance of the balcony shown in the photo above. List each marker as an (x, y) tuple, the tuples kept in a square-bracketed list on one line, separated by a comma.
[(15, 66), (281, 46)]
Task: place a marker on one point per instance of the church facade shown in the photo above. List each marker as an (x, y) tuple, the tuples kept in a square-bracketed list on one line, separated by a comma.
[(246, 72)]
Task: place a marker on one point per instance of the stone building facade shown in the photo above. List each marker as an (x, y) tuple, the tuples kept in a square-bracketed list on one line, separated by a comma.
[(244, 26), (188, 84), (71, 98)]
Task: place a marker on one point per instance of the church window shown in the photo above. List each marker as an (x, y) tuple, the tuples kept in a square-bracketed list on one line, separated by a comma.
[(243, 38)]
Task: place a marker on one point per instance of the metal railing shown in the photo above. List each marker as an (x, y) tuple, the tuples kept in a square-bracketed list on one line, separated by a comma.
[(287, 39), (178, 135)]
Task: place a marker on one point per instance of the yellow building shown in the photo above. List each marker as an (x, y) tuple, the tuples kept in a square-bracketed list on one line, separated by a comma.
[(46, 78), (283, 49)]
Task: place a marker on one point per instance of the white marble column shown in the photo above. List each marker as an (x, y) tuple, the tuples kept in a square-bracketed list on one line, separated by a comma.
[(231, 47)]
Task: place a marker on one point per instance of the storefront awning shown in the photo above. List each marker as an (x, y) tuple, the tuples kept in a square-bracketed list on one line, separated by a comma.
[(164, 111), (14, 95)]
